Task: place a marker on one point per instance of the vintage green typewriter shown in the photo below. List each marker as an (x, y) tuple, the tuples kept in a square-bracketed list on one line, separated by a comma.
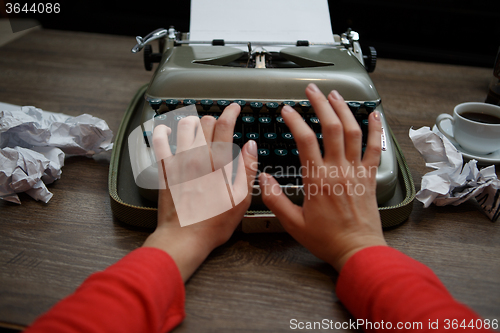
[(210, 75)]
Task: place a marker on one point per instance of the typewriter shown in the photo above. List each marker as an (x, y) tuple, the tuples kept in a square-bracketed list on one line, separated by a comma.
[(209, 75)]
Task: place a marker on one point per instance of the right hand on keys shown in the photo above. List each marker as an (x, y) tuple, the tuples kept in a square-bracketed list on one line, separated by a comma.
[(339, 215)]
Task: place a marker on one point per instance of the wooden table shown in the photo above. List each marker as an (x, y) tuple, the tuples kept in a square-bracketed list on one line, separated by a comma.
[(256, 282)]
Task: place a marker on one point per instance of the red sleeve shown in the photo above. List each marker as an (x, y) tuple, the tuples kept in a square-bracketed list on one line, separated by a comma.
[(380, 284), (143, 292)]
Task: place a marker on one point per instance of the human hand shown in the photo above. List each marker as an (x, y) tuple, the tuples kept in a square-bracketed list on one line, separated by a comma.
[(339, 215), (200, 151)]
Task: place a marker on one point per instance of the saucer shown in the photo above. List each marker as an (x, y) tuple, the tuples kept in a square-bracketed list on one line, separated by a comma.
[(491, 158)]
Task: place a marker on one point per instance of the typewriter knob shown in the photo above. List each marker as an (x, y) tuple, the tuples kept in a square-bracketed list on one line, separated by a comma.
[(150, 57), (370, 58)]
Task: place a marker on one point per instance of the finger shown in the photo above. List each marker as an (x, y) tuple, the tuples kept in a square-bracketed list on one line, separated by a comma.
[(331, 126), (373, 145), (186, 130), (289, 214), (306, 139), (162, 151), (245, 175), (200, 139), (160, 142), (222, 150), (208, 126), (351, 130), (224, 128)]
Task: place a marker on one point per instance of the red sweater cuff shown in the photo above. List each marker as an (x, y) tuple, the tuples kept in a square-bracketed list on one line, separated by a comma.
[(382, 284), (143, 292)]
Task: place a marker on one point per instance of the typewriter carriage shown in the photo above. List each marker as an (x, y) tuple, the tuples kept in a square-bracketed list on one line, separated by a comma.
[(171, 37)]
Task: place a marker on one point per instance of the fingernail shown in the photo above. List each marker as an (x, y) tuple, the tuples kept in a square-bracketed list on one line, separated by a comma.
[(313, 87), (252, 148), (263, 179), (376, 115), (335, 95), (286, 109)]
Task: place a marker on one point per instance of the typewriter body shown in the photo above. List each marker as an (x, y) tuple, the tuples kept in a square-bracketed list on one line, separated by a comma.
[(211, 75)]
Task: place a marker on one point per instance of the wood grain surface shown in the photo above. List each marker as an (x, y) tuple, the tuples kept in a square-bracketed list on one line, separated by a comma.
[(255, 282)]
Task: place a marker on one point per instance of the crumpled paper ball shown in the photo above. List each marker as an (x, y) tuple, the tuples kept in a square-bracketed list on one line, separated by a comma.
[(33, 144), (452, 182)]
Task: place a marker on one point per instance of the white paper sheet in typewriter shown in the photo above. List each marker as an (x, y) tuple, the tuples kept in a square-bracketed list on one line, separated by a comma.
[(261, 20)]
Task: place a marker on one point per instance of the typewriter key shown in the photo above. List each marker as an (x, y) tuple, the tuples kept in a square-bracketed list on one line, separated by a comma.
[(248, 119), (248, 123), (354, 106), (263, 152), (237, 136), (256, 107), (155, 103), (265, 120), (188, 101), (320, 138), (265, 124), (280, 159), (252, 136), (370, 106), (264, 159), (280, 152), (272, 107), (314, 123), (222, 103), (289, 103), (270, 138), (281, 125), (206, 104), (305, 106), (287, 138), (171, 103), (240, 102)]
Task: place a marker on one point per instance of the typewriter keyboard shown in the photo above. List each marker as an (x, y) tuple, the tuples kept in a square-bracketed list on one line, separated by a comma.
[(262, 122)]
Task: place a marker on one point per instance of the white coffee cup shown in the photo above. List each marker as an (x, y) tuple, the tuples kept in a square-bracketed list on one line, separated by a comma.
[(473, 136)]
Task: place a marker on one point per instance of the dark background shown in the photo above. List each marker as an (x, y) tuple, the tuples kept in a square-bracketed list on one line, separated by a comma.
[(444, 31)]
